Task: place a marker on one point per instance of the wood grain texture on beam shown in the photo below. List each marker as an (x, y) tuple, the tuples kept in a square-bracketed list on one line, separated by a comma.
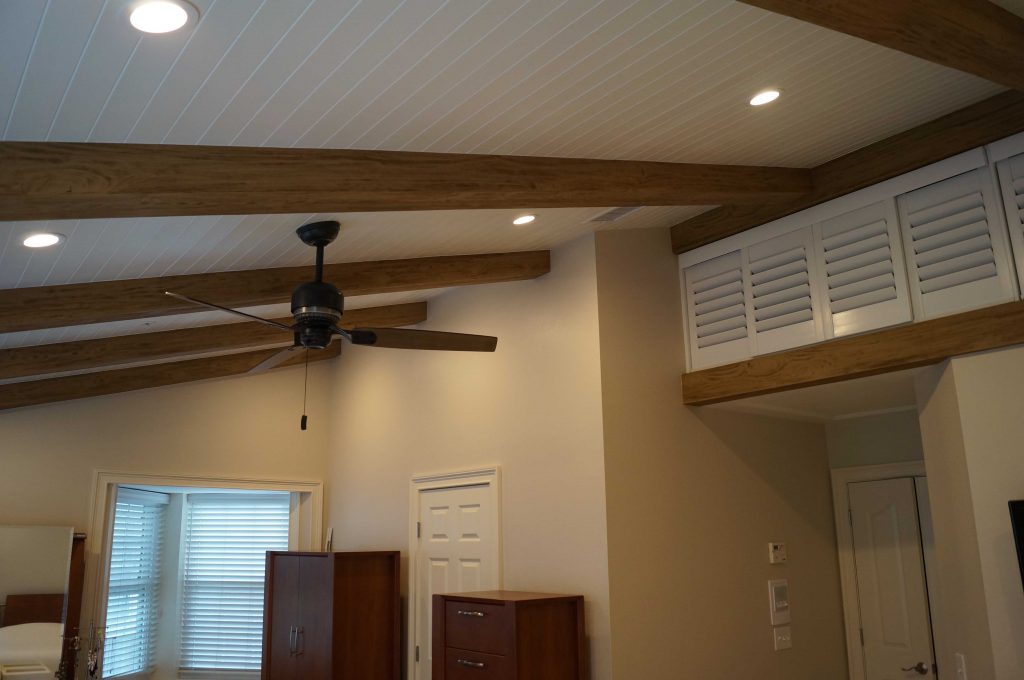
[(968, 128), (973, 36), (23, 309), (22, 362), (35, 392), (893, 349), (57, 180)]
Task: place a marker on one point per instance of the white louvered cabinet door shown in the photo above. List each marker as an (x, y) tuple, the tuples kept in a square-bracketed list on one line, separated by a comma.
[(862, 273), (782, 304), (957, 252), (1011, 179), (716, 312)]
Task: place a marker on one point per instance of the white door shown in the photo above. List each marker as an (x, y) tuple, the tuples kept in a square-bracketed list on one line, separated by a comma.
[(456, 553), (891, 580)]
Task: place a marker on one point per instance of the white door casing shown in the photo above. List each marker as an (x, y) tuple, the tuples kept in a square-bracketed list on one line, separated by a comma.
[(891, 584), (455, 546)]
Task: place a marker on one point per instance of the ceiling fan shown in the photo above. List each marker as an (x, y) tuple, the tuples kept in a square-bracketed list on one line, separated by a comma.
[(317, 308)]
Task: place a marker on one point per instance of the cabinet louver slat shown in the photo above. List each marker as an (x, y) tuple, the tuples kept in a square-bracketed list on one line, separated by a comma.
[(864, 282), (1011, 178), (716, 312), (956, 245), (781, 296)]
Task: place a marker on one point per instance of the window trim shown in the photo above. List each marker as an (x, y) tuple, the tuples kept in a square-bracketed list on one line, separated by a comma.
[(308, 532)]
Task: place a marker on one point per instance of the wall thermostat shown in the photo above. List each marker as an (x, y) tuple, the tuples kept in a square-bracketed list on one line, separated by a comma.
[(776, 553)]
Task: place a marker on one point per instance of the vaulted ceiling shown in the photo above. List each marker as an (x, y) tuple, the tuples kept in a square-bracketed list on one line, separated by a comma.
[(651, 80)]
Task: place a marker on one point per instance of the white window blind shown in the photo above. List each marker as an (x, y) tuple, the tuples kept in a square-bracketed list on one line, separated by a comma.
[(716, 311), (783, 303), (1011, 178), (864, 277), (956, 245), (134, 587), (227, 537)]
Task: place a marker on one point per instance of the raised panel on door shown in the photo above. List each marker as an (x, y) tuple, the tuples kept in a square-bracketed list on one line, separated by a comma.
[(891, 582), (956, 245), (863, 278), (783, 310), (1011, 180), (455, 553), (315, 636), (716, 312), (280, 663)]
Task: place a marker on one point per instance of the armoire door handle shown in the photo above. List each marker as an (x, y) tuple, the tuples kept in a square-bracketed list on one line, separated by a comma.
[(293, 640), (299, 646)]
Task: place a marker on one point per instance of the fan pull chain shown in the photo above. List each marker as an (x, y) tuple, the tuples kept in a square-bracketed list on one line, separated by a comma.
[(305, 389)]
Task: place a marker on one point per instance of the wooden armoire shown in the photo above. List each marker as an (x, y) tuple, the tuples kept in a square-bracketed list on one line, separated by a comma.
[(334, 616)]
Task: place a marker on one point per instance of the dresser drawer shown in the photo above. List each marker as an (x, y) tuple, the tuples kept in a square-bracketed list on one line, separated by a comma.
[(460, 664), (478, 627)]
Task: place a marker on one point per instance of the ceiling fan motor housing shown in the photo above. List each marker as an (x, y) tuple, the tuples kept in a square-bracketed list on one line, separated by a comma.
[(317, 309)]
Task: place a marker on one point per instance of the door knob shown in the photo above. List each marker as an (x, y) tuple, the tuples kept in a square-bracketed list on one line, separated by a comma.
[(921, 668)]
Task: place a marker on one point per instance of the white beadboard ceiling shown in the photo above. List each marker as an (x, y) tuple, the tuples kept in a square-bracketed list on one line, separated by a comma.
[(664, 80)]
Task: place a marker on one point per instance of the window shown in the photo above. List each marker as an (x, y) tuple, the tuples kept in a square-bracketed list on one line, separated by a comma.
[(226, 540), (134, 589)]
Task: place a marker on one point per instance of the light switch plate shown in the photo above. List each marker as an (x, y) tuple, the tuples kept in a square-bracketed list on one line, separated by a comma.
[(778, 598), (783, 638), (776, 553)]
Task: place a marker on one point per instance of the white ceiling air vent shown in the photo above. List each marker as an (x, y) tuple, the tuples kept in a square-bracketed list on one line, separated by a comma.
[(956, 245), (865, 281), (716, 312), (616, 214), (781, 298), (1011, 178)]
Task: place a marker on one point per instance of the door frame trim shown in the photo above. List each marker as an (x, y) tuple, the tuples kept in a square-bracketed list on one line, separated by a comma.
[(491, 476), (841, 477)]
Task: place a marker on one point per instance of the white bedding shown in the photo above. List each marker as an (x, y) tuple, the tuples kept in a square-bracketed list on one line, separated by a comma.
[(30, 644)]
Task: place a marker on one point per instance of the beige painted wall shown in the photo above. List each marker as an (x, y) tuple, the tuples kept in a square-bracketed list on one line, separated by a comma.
[(874, 440), (694, 498), (990, 393), (533, 407), (232, 427), (961, 609)]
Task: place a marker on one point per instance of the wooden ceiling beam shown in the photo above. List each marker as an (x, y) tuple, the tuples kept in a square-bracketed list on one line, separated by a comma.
[(24, 309), (35, 392), (894, 349), (968, 128), (58, 180), (973, 36), (23, 362)]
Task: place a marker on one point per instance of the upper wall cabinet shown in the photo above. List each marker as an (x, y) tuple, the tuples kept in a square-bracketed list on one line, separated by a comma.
[(716, 312), (863, 276), (783, 307), (1011, 177), (956, 245)]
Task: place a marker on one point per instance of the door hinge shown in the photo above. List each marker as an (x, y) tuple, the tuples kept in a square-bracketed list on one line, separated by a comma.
[(861, 637), (417, 652), (418, 529)]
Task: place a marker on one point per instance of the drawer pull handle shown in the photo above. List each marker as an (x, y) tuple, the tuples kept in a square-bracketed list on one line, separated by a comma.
[(471, 664), (466, 613)]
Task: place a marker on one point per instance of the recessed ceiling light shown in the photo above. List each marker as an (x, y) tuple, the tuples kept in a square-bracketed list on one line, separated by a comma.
[(524, 219), (161, 16), (762, 98), (43, 240)]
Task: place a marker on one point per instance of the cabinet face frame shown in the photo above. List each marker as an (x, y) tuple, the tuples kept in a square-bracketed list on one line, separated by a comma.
[(490, 476)]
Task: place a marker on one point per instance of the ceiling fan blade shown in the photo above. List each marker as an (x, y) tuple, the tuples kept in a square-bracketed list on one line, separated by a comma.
[(276, 359), (229, 310), (407, 338)]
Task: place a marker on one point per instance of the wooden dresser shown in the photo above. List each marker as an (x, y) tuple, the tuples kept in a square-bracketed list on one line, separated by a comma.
[(332, 616), (505, 635)]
